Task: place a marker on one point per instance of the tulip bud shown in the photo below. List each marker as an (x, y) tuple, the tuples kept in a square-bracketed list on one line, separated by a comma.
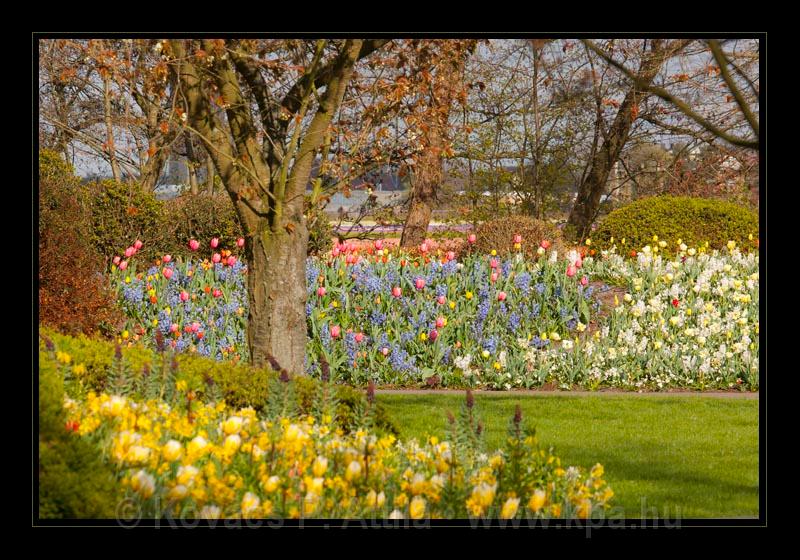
[(184, 296), (166, 258), (123, 265), (501, 296), (472, 238), (434, 334), (385, 351), (584, 281), (571, 270), (517, 238), (419, 283), (129, 252), (240, 242), (116, 260), (440, 322), (359, 337), (441, 300), (231, 260), (167, 273), (336, 330), (194, 245), (378, 244), (214, 242), (321, 291), (137, 244), (216, 257)]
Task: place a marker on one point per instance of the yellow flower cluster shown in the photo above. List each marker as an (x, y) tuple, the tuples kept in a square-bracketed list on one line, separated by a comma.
[(217, 463)]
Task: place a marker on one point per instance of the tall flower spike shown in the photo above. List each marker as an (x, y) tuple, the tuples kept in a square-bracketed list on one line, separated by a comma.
[(517, 414), (470, 399), (371, 392), (326, 368)]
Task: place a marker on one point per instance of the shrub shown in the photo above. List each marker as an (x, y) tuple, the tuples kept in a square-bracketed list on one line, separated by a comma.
[(74, 296), (498, 234), (320, 230), (200, 217), (240, 385), (693, 220), (122, 213), (73, 480)]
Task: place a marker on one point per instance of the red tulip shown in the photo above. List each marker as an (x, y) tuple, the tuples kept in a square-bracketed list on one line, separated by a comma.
[(321, 291), (493, 263), (200, 335), (359, 337), (571, 270), (184, 296), (397, 291), (137, 244), (440, 322), (675, 303), (336, 330), (214, 242), (166, 258), (167, 273), (129, 252), (217, 293), (419, 283), (433, 335), (240, 242), (545, 244), (441, 300), (517, 238), (123, 265), (472, 238), (216, 257), (584, 281), (173, 328), (501, 296), (194, 245)]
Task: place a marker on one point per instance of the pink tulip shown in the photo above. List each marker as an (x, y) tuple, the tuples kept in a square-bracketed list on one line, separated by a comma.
[(385, 351), (439, 322), (116, 260), (545, 244), (217, 293), (336, 251), (571, 270), (173, 328), (321, 291), (123, 265), (397, 291), (424, 247), (194, 245), (216, 257), (584, 281), (472, 238), (419, 283), (166, 258), (493, 263), (184, 296), (378, 244), (433, 335), (137, 244), (129, 252), (336, 330), (494, 277), (231, 260), (517, 238), (451, 255), (359, 337), (214, 242), (441, 300), (578, 263), (167, 273), (240, 242), (350, 259), (195, 327), (501, 296)]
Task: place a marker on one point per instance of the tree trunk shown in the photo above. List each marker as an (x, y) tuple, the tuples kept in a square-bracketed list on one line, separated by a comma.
[(210, 172), (427, 178), (277, 320), (591, 189), (112, 154)]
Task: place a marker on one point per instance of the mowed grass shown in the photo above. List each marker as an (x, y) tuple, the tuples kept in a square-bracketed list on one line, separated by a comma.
[(687, 457)]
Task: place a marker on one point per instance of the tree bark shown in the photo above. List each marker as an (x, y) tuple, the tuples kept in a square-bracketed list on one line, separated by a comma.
[(427, 178), (592, 187), (112, 154), (210, 172)]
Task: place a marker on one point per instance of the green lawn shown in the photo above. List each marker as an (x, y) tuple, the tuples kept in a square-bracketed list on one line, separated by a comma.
[(667, 456)]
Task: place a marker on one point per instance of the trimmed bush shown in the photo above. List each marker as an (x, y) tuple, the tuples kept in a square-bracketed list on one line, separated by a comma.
[(123, 213), (200, 217), (74, 296), (693, 220), (498, 234), (73, 480)]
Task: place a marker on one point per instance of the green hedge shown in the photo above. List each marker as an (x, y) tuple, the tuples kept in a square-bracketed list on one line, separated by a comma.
[(240, 385), (73, 480), (693, 220)]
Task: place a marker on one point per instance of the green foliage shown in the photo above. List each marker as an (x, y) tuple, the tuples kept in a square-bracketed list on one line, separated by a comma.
[(123, 213), (200, 217), (498, 234), (694, 220), (320, 230), (144, 373), (73, 480)]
